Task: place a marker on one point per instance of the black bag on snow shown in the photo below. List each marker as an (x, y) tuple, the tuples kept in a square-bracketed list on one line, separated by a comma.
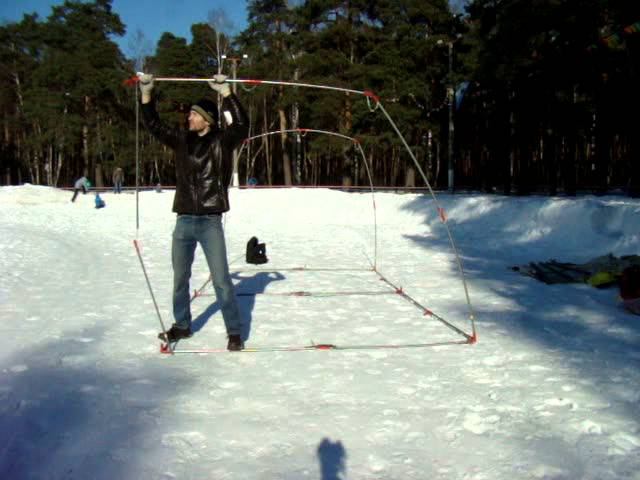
[(630, 283), (256, 252)]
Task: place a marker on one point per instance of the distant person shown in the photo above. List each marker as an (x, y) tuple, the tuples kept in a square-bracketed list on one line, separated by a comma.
[(99, 202), (83, 184), (118, 178), (204, 164)]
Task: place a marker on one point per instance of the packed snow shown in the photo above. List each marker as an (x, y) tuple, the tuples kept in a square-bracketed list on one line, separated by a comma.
[(551, 390)]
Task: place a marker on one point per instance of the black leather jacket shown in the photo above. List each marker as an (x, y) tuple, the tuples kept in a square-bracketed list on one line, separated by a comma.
[(204, 165)]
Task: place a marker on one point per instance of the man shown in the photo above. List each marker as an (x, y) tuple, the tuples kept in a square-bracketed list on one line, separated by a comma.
[(204, 164), (118, 178), (83, 184)]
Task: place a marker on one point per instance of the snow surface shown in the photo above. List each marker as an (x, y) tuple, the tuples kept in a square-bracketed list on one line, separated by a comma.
[(550, 391)]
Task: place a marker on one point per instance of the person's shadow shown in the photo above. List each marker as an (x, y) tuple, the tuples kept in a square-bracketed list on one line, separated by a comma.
[(246, 290), (332, 457)]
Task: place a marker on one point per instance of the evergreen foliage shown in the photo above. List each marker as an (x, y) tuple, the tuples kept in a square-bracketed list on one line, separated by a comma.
[(542, 94)]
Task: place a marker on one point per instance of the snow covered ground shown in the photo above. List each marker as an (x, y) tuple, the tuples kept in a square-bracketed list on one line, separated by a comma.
[(550, 391)]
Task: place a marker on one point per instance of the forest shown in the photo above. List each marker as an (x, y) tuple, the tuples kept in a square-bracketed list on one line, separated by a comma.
[(513, 97)]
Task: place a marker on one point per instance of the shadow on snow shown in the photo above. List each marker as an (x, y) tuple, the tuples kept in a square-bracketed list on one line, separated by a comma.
[(65, 414), (246, 287), (583, 324)]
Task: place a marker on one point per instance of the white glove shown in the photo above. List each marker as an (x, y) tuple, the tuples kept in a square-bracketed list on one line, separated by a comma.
[(220, 85), (146, 83)]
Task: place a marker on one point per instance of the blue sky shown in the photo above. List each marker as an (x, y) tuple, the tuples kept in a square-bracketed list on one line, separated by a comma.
[(152, 17)]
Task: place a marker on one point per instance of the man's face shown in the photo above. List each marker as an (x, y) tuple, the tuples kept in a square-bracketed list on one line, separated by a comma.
[(196, 122)]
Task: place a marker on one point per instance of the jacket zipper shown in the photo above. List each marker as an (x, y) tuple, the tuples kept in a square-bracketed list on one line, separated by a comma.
[(196, 192)]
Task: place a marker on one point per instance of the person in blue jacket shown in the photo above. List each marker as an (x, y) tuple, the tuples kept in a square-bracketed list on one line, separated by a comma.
[(99, 202)]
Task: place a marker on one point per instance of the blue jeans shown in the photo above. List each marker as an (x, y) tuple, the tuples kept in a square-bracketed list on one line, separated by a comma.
[(206, 230)]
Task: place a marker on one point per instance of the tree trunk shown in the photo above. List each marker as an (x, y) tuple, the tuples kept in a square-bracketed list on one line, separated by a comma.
[(295, 124), (16, 80), (58, 168), (267, 150), (356, 168), (347, 179), (61, 143), (100, 154), (286, 161), (315, 169), (549, 156), (249, 144), (85, 139), (347, 164), (633, 186), (37, 154), (634, 177), (603, 137), (436, 177), (36, 167), (99, 175), (7, 135), (25, 154), (498, 130), (49, 166)]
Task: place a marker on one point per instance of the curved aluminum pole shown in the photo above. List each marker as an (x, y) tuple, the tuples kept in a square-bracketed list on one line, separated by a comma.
[(442, 217), (375, 210), (268, 82), (301, 130), (364, 160)]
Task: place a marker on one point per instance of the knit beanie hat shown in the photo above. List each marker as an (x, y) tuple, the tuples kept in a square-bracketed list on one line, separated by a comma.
[(208, 110)]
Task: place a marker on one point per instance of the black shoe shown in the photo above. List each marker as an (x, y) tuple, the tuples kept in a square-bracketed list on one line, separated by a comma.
[(235, 343), (174, 334)]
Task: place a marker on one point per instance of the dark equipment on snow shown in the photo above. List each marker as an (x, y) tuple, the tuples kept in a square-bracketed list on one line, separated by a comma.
[(600, 272), (630, 283), (256, 252)]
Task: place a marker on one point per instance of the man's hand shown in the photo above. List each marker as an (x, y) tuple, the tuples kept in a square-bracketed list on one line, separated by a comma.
[(146, 86), (220, 85)]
